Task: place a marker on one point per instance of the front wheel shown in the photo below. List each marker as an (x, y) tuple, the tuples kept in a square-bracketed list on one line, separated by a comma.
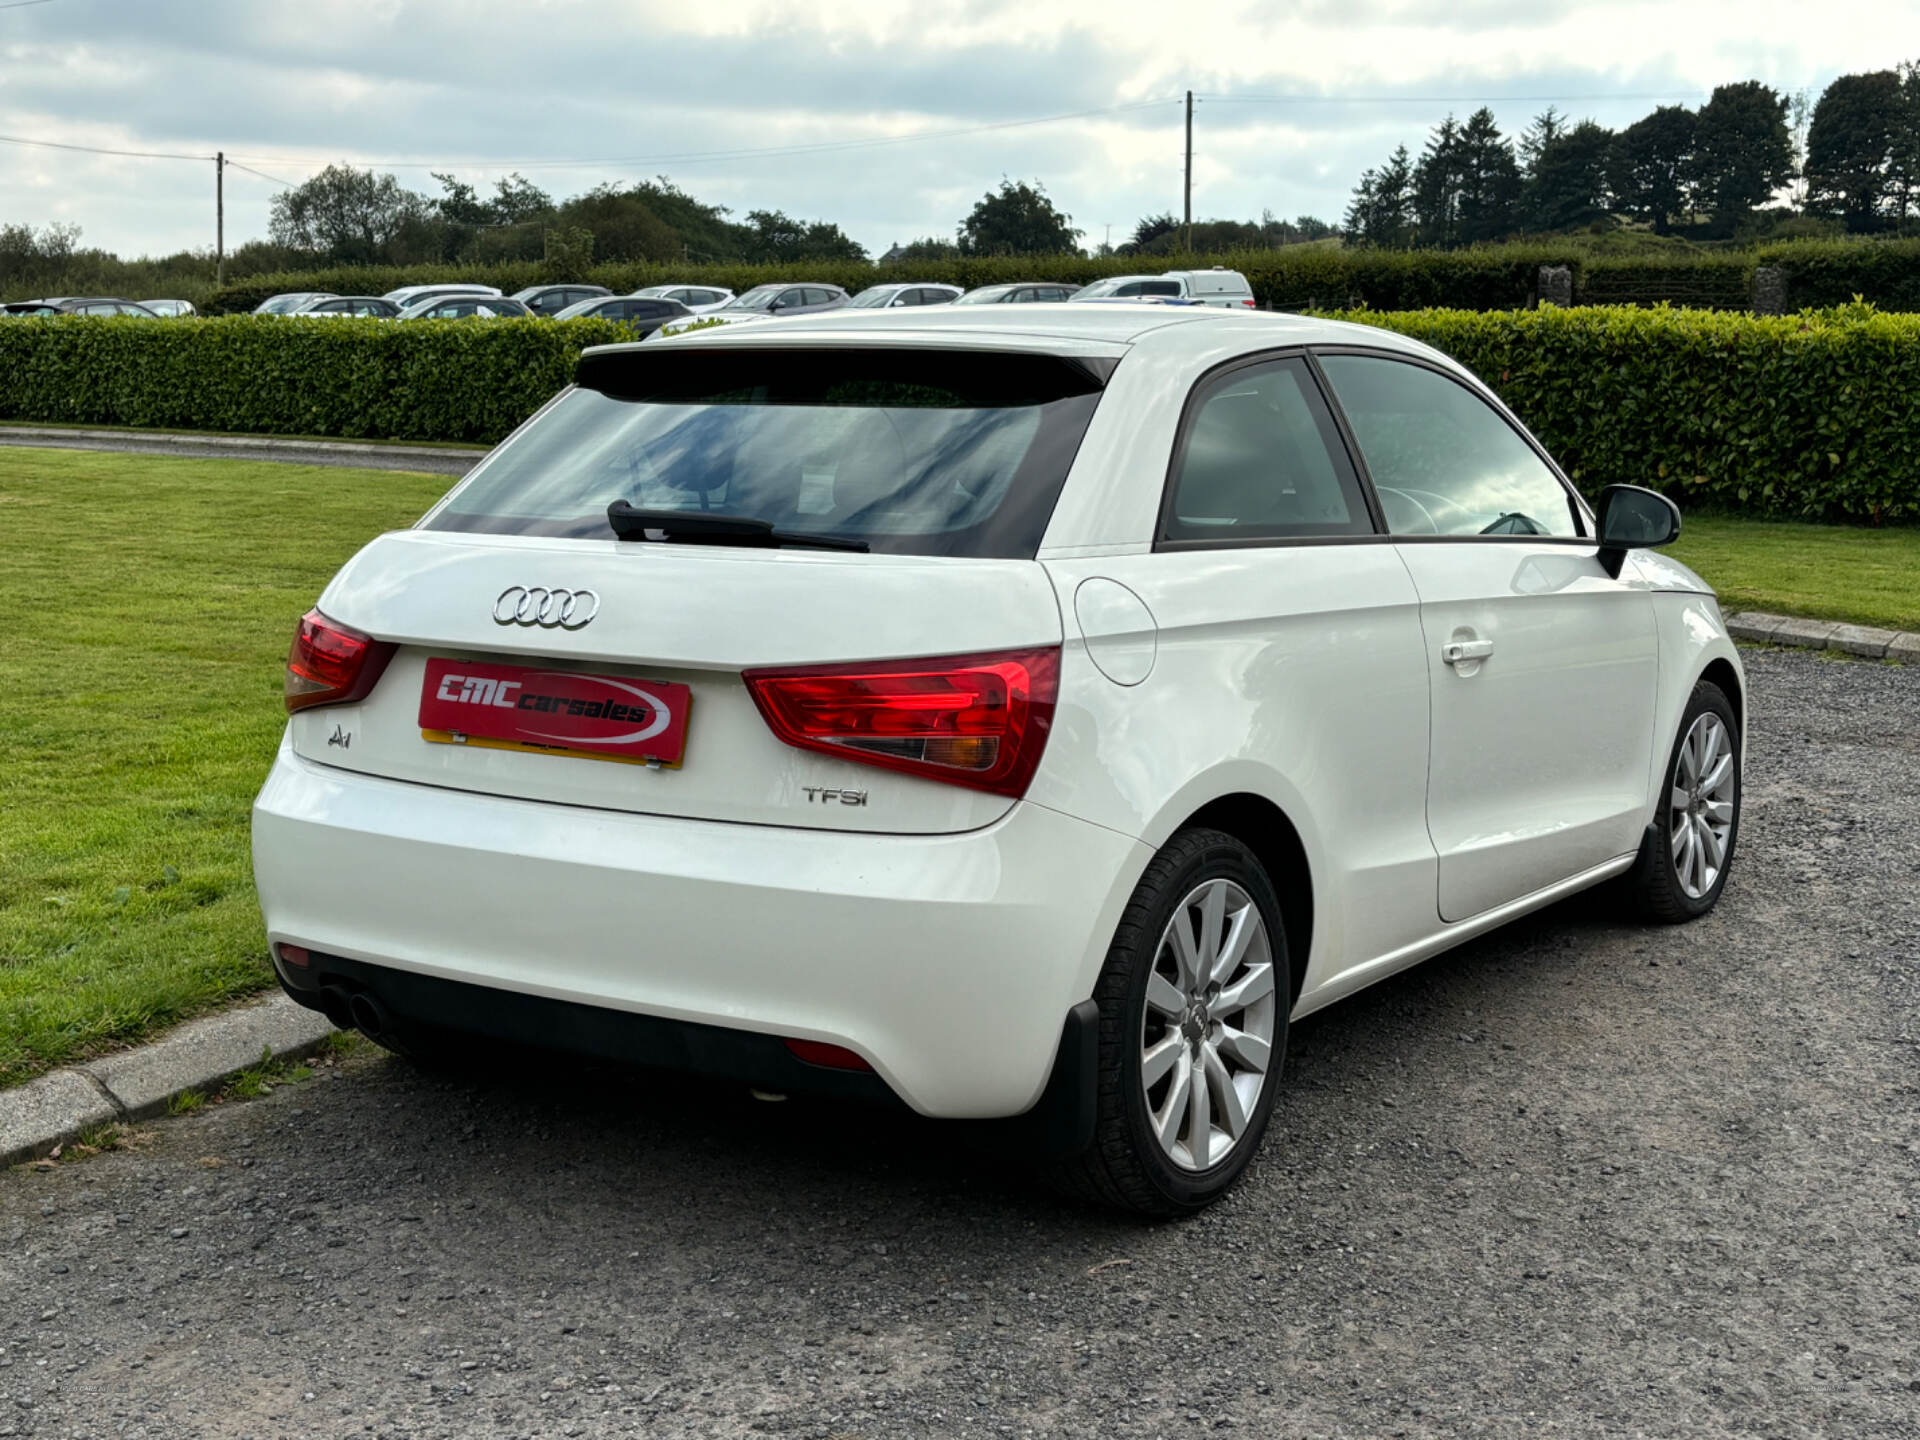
[(1193, 1029), (1684, 862)]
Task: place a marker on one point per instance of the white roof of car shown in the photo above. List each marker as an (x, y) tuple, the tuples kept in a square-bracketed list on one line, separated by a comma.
[(1033, 326)]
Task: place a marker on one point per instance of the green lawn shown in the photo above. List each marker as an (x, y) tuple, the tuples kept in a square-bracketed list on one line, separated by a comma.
[(145, 610), (1825, 572)]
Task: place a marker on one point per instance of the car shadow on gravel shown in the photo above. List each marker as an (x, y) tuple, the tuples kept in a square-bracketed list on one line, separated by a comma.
[(671, 1132)]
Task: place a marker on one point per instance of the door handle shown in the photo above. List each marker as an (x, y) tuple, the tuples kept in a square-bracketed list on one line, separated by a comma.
[(1456, 651)]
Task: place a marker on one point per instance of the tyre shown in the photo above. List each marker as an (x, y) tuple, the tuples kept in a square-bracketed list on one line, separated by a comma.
[(1193, 1004), (1685, 858)]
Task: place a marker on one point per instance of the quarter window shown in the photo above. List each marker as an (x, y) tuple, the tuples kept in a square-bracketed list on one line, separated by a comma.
[(1261, 460), (1443, 461)]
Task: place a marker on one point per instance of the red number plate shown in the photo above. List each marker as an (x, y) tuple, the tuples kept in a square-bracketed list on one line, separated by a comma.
[(610, 717)]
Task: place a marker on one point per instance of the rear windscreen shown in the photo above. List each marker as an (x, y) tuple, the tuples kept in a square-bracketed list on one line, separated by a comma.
[(913, 452)]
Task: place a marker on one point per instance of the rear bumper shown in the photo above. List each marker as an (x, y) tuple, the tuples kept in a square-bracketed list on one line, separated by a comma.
[(948, 962)]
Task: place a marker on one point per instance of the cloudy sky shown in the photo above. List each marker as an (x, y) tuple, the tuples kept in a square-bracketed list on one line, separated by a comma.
[(810, 108)]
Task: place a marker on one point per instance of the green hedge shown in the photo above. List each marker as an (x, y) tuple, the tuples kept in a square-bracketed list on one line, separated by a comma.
[(1809, 416), (1827, 273), (424, 380)]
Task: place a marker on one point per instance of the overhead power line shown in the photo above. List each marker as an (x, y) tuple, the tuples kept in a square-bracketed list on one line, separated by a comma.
[(101, 150), (23, 4), (1225, 99), (234, 164)]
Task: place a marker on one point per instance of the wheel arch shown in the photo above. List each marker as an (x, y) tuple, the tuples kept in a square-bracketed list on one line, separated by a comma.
[(1269, 832), (1721, 672)]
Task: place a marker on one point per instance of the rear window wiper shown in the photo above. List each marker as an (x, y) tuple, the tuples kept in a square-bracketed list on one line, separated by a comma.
[(693, 527)]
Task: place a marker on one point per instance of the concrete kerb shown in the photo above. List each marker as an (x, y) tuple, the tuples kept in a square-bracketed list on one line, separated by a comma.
[(1760, 628), (136, 1084)]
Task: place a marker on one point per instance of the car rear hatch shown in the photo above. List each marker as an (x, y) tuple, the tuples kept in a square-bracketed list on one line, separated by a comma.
[(736, 658)]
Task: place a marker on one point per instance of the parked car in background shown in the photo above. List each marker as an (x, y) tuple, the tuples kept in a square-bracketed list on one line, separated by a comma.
[(550, 300), (291, 301), (170, 309), (1223, 289), (466, 307), (413, 294), (356, 305), (769, 302), (1035, 292), (697, 298), (645, 314), (902, 295), (103, 306), (680, 724)]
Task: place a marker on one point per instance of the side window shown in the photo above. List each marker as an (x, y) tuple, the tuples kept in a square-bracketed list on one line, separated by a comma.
[(1133, 287), (1159, 287), (1260, 458), (1443, 461)]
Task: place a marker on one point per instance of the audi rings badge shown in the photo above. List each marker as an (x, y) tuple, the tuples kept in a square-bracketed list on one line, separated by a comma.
[(548, 608)]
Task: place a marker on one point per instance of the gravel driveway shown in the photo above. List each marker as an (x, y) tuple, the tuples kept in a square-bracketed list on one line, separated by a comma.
[(1579, 1178)]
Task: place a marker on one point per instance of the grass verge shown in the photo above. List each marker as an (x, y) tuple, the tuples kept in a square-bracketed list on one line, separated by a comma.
[(1824, 572), (136, 431), (145, 609)]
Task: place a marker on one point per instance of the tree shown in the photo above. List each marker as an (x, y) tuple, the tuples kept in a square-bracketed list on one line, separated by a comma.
[(1019, 220), (1149, 229), (929, 247), (1903, 178), (1489, 180), (1436, 188), (1566, 187), (1742, 151), (775, 237), (348, 216), (1850, 147), (1547, 127), (1381, 214), (1649, 166), (461, 204), (516, 200)]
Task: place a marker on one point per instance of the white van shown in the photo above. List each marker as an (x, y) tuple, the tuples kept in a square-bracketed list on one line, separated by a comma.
[(1227, 289)]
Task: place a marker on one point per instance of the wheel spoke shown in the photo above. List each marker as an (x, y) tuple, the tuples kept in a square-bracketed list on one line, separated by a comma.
[(1199, 1120), (1241, 928), (1249, 1051), (1720, 812), (1185, 952), (1160, 1059), (1166, 1124), (1164, 997), (1678, 800), (1233, 1115), (1213, 915), (1718, 776), (1715, 843), (1256, 984), (1690, 760), (1697, 861)]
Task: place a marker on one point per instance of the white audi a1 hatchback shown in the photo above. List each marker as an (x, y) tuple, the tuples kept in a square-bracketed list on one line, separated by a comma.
[(1001, 712)]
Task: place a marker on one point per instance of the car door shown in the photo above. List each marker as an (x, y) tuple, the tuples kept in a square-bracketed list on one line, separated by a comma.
[(1282, 641), (1542, 667)]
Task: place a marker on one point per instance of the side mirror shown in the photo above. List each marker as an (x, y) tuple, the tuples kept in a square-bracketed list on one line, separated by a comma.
[(1630, 517)]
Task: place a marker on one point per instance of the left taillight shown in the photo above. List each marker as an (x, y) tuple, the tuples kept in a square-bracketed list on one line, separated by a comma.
[(330, 664), (975, 720)]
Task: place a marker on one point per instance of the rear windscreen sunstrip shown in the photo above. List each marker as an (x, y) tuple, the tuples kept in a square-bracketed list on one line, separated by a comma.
[(908, 451)]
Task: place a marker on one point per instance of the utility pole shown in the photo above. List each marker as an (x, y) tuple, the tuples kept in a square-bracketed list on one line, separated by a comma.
[(1187, 206), (220, 217)]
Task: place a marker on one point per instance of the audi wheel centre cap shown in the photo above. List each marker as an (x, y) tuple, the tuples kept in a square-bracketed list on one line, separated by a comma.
[(549, 608)]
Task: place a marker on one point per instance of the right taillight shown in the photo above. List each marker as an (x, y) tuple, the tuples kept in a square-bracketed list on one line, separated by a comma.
[(330, 664), (974, 720)]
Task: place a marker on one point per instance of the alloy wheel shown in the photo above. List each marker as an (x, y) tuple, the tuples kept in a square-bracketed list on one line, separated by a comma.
[(1208, 1027), (1701, 806)]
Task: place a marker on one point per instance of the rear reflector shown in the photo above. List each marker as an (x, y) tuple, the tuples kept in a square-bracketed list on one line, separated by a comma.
[(834, 1057), (975, 720), (295, 955), (332, 665)]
